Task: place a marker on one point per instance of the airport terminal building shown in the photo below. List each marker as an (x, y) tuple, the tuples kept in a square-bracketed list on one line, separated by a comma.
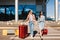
[(18, 9), (7, 8)]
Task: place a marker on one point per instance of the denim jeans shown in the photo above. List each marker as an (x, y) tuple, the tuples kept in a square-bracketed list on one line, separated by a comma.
[(31, 25)]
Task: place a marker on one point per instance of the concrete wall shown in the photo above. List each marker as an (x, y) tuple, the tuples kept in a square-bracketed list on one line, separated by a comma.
[(38, 7), (12, 2), (7, 2), (27, 2)]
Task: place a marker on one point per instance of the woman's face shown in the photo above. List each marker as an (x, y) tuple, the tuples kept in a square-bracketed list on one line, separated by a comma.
[(41, 13), (30, 12)]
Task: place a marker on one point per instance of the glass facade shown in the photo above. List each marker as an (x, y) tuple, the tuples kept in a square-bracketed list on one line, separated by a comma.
[(2, 10), (23, 7), (10, 11), (23, 10), (7, 12)]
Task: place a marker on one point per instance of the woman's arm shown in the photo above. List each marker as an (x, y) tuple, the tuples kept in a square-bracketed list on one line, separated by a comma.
[(38, 19), (34, 18), (27, 19)]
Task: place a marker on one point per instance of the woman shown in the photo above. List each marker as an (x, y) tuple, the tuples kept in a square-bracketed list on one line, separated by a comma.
[(31, 20), (41, 22)]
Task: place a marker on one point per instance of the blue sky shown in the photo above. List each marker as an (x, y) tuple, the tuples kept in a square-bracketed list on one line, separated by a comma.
[(59, 9), (50, 8)]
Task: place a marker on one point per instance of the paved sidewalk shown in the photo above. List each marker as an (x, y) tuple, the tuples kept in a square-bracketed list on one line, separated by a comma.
[(53, 34)]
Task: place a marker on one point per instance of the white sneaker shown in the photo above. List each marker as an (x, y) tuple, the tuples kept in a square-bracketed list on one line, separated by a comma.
[(31, 36)]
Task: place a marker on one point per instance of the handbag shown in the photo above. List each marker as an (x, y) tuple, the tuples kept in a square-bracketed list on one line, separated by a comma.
[(44, 31)]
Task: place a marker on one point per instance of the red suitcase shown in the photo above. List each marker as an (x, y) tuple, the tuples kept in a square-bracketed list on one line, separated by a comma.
[(23, 31), (44, 32)]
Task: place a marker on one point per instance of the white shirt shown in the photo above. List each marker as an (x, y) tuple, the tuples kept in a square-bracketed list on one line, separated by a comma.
[(31, 18)]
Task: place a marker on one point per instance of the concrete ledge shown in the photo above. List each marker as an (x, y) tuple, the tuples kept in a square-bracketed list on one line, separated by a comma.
[(9, 28), (43, 38)]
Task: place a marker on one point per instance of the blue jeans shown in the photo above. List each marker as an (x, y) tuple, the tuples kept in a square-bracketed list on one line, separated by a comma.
[(31, 25)]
